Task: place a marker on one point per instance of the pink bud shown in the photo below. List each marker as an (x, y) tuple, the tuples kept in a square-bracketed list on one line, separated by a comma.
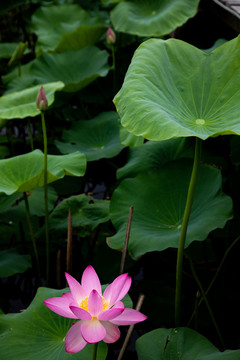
[(41, 102), (111, 37)]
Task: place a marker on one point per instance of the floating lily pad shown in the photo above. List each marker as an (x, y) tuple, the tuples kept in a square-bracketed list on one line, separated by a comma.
[(11, 262), (173, 89), (164, 344), (153, 154), (38, 332), (63, 27), (23, 103), (87, 213), (76, 69), (153, 17), (159, 200), (26, 172), (97, 138)]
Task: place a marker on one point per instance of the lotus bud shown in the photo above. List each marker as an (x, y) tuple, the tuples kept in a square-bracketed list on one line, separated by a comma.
[(41, 102), (111, 37)]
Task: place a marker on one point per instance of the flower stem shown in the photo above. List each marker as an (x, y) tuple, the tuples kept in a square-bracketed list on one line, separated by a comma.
[(45, 194), (28, 215), (206, 301), (187, 211), (95, 351)]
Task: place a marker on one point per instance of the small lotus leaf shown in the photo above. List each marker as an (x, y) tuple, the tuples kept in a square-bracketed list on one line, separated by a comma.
[(39, 333), (153, 17), (87, 213), (11, 262), (26, 172), (22, 103), (97, 138), (69, 25), (164, 344), (173, 89), (75, 68), (159, 197)]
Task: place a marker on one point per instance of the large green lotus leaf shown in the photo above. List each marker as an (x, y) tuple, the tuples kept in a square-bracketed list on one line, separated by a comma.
[(26, 172), (180, 344), (154, 154), (87, 213), (159, 197), (153, 17), (22, 103), (173, 89), (76, 69), (38, 333), (11, 262), (65, 27), (97, 138)]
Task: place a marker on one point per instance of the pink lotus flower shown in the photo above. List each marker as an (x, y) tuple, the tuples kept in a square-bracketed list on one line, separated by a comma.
[(99, 314)]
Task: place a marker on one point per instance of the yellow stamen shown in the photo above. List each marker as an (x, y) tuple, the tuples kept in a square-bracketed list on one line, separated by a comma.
[(84, 304), (105, 304)]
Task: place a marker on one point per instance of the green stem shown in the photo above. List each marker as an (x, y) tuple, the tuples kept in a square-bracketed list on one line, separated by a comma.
[(95, 351), (45, 194), (30, 134), (28, 215), (206, 301), (186, 216), (215, 276)]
